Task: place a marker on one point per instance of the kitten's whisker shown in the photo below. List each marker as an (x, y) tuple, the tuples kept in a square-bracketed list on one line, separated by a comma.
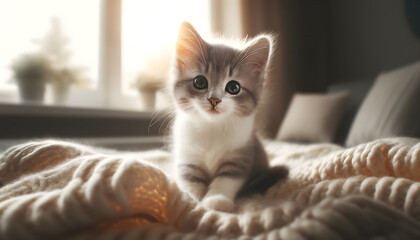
[(159, 118), (249, 63), (247, 109), (155, 113), (153, 121), (167, 130), (250, 54), (247, 56), (185, 106), (170, 112), (242, 57), (243, 107), (169, 116), (242, 110), (168, 127)]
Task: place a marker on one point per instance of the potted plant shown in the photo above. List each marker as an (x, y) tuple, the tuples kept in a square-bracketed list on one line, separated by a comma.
[(32, 71), (152, 78), (62, 79), (64, 75), (148, 86)]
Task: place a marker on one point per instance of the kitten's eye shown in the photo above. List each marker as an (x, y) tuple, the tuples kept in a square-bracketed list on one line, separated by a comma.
[(200, 82), (233, 87)]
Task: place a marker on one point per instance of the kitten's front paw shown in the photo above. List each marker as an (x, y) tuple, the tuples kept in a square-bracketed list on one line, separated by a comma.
[(219, 203)]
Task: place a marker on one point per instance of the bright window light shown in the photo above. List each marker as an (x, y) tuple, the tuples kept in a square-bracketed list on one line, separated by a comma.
[(23, 23), (149, 31)]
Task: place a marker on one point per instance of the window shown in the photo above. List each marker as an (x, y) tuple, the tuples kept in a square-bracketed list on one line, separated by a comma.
[(66, 30), (120, 48), (149, 31)]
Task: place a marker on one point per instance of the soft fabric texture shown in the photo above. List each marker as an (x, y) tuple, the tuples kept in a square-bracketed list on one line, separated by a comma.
[(313, 117), (391, 107), (54, 189)]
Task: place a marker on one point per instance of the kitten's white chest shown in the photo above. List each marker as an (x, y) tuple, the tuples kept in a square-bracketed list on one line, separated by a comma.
[(206, 143)]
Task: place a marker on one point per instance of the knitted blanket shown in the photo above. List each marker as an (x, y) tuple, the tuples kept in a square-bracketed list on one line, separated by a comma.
[(56, 190)]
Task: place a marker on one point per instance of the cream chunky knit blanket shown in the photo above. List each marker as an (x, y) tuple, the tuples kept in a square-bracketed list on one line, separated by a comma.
[(55, 190)]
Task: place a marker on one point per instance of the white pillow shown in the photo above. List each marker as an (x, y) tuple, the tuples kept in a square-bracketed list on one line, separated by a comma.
[(391, 107), (313, 117)]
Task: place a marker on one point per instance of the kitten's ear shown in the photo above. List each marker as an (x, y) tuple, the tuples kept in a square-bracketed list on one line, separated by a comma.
[(190, 47), (256, 56)]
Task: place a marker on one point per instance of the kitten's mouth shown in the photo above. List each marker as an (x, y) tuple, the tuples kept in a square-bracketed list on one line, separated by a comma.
[(213, 111)]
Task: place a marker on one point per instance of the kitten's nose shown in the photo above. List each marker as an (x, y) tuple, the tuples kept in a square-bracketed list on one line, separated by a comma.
[(214, 101)]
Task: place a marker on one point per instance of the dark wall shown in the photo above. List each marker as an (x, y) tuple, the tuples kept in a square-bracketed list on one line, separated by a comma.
[(367, 37), (326, 41), (300, 59)]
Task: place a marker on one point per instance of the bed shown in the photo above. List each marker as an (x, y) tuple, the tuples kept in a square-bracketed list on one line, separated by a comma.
[(54, 189), (368, 189)]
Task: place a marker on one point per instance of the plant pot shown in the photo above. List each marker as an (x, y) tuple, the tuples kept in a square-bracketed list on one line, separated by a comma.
[(60, 93), (31, 90), (148, 99)]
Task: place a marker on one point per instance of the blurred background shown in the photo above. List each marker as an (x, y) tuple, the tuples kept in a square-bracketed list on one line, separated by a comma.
[(104, 54), (109, 59)]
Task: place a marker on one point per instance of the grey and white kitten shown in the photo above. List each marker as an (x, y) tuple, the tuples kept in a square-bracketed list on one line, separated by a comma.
[(216, 89)]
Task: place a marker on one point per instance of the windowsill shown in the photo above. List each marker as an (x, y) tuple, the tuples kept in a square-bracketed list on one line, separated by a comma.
[(98, 127), (36, 109), (28, 121), (78, 100)]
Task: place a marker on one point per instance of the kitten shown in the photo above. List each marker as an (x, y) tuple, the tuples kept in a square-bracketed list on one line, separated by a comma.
[(216, 89)]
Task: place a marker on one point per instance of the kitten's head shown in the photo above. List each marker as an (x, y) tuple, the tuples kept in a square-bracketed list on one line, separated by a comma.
[(217, 80)]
